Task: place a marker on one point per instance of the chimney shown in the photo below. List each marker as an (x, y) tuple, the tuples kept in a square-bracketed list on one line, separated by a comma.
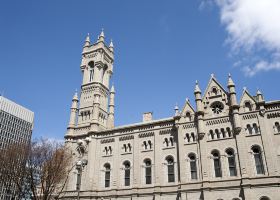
[(147, 116)]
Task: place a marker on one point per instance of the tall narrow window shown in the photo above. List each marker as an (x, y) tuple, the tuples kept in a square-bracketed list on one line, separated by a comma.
[(258, 160), (148, 171), (107, 174), (248, 107), (217, 164), (126, 173), (193, 166), (91, 71), (170, 169), (231, 162), (78, 185)]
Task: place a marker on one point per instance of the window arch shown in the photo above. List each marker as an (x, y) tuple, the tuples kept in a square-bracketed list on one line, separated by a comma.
[(255, 128), (126, 165), (188, 116), (170, 169), (258, 159), (264, 198), (211, 134), (104, 78), (107, 170), (148, 171), (91, 70), (231, 162), (193, 166), (214, 91), (276, 127), (249, 129), (248, 106), (217, 163)]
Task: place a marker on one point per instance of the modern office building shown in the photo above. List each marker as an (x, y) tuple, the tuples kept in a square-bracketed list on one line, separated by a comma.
[(219, 149), (16, 124)]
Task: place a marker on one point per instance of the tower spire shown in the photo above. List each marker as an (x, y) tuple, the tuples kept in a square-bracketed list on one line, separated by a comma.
[(111, 46), (87, 41), (101, 37)]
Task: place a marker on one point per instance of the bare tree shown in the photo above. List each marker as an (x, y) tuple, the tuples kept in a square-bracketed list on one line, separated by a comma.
[(38, 170), (47, 169)]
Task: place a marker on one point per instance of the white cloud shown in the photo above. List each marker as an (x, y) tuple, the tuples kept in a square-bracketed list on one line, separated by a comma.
[(261, 66), (253, 26)]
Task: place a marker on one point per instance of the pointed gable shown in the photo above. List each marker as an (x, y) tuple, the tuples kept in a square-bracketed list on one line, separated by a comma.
[(215, 94), (188, 112), (247, 101)]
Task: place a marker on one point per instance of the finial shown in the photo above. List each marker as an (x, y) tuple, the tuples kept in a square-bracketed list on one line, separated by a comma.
[(75, 97), (212, 75), (244, 89), (102, 33), (197, 89), (112, 89), (176, 108), (187, 99), (259, 92), (101, 36), (230, 81), (111, 46), (87, 42)]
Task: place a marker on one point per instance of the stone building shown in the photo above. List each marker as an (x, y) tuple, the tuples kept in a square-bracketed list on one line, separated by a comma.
[(221, 148)]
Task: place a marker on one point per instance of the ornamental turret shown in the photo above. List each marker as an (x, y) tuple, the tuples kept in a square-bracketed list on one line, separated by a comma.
[(199, 111), (234, 107), (111, 118), (73, 114)]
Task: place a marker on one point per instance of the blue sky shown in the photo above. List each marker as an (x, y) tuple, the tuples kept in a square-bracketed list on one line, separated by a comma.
[(161, 48)]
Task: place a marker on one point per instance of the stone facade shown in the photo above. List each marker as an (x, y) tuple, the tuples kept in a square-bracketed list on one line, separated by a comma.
[(223, 149)]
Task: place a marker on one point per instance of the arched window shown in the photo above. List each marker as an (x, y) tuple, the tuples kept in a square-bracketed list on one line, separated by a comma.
[(211, 134), (148, 171), (150, 144), (277, 127), (217, 163), (107, 174), (126, 173), (91, 71), (258, 159), (188, 117), (231, 162), (214, 91), (192, 137), (193, 166), (249, 129), (217, 133), (170, 169), (171, 141), (187, 138), (166, 143), (145, 145), (264, 198), (248, 107), (223, 133), (104, 79), (228, 132), (256, 129)]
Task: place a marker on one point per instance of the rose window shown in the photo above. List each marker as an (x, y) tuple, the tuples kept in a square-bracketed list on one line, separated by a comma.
[(217, 107)]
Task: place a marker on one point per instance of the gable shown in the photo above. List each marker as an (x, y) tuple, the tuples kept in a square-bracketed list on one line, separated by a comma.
[(215, 95)]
